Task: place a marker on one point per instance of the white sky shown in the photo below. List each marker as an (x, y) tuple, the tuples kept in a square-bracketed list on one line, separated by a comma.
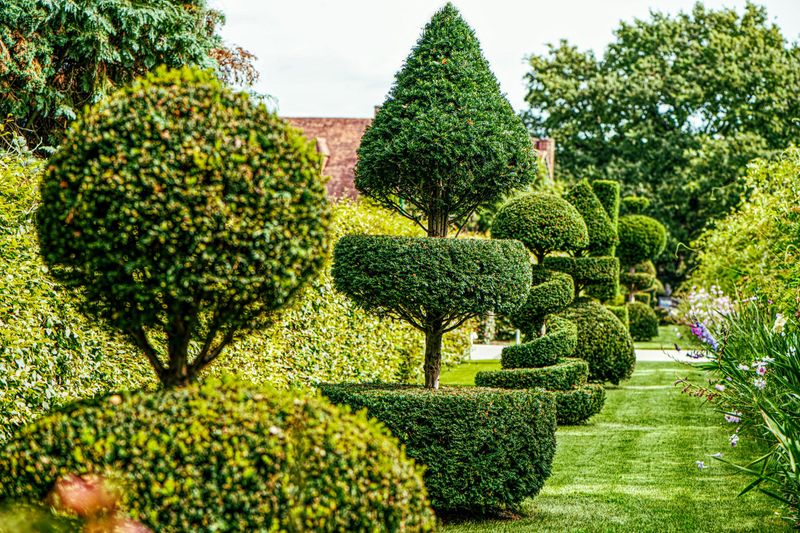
[(337, 58)]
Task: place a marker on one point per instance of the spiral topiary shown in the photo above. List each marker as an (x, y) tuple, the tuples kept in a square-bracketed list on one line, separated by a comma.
[(185, 212), (224, 457)]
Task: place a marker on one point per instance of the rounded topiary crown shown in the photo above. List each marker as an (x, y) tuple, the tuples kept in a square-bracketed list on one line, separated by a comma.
[(641, 238), (544, 223)]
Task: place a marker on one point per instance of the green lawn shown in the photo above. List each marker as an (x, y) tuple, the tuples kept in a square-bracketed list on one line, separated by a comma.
[(668, 337), (632, 468)]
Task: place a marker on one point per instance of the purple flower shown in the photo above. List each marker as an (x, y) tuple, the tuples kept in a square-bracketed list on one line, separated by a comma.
[(734, 440), (701, 332), (700, 465)]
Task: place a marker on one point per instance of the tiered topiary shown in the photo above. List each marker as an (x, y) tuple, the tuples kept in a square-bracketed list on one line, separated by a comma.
[(445, 142), (189, 214), (546, 224), (223, 457), (642, 240), (603, 340)]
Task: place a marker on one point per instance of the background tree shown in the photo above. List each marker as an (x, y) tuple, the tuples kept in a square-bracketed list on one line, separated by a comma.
[(674, 110), (444, 142), (57, 56), (183, 228)]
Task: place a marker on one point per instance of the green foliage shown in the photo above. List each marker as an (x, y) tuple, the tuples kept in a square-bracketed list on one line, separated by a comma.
[(600, 274), (578, 405), (635, 205), (446, 140), (603, 341), (550, 292), (50, 354), (190, 224), (57, 56), (224, 457), (566, 374), (674, 109), (413, 277), (485, 450), (641, 238), (602, 233), (621, 312), (756, 249), (544, 223), (608, 193), (560, 341), (643, 321)]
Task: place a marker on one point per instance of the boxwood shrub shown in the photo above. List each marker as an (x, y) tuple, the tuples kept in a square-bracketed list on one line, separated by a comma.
[(560, 341), (643, 321), (640, 238), (577, 405), (602, 231), (566, 374), (599, 275), (485, 450), (603, 341), (550, 292), (220, 457), (621, 312), (608, 192)]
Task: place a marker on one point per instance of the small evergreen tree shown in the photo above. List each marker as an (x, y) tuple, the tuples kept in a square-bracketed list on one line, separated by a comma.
[(444, 142)]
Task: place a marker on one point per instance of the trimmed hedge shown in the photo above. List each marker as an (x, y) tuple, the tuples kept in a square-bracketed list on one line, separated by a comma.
[(599, 275), (383, 274), (566, 374), (544, 223), (641, 238), (638, 281), (643, 323), (608, 193), (217, 457), (485, 450), (635, 205), (560, 341), (621, 312), (602, 233), (578, 405), (603, 341), (550, 292)]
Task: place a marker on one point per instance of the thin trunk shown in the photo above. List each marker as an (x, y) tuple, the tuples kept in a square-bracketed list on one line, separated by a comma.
[(177, 374), (631, 297), (433, 353), (437, 223)]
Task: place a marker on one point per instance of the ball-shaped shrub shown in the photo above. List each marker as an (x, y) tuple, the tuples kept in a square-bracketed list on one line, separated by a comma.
[(219, 457), (641, 238), (416, 276), (181, 205), (603, 341), (543, 223), (643, 321)]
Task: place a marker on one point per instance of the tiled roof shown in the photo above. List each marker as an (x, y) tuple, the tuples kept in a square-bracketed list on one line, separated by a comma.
[(340, 137)]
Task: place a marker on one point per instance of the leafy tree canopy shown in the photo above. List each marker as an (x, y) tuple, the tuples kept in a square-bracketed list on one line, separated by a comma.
[(674, 110)]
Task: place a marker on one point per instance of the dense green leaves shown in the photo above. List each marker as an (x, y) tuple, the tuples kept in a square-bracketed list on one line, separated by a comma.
[(560, 341), (641, 238), (485, 450), (57, 56), (643, 321), (182, 207), (566, 374), (602, 232), (674, 109), (550, 292), (544, 223), (446, 140), (599, 274), (415, 277), (225, 457)]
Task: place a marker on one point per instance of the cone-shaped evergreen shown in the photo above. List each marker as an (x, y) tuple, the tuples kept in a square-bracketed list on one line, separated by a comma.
[(446, 140)]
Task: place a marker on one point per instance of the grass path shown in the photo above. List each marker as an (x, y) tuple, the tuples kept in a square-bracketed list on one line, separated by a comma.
[(632, 468)]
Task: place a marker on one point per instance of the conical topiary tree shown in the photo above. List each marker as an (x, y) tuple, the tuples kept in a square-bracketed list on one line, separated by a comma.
[(546, 224), (444, 142), (603, 340)]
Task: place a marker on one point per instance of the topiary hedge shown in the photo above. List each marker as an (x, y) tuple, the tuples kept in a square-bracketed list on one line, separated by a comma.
[(621, 312), (602, 231), (603, 341), (635, 205), (578, 405), (399, 276), (640, 238), (566, 374), (560, 341), (224, 457), (550, 292), (608, 193), (643, 323), (521, 218), (485, 450), (599, 275)]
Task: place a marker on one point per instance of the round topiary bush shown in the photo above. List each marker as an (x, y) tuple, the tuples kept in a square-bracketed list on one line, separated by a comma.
[(550, 292), (643, 321), (603, 341), (543, 223), (183, 208), (640, 238), (221, 457), (485, 450)]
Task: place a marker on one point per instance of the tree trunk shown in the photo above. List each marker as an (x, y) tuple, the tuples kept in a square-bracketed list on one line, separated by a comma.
[(631, 296), (177, 374), (437, 223), (433, 354)]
